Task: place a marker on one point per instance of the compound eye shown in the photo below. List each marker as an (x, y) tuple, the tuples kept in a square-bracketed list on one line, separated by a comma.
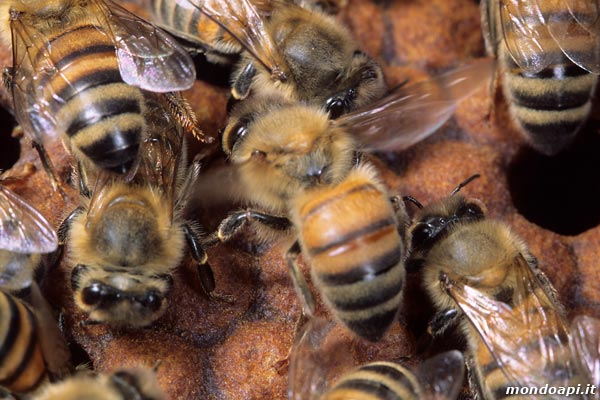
[(470, 210), (92, 294), (335, 107), (421, 233), (237, 133), (152, 301)]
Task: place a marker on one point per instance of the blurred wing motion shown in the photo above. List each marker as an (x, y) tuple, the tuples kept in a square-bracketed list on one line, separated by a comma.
[(243, 20), (585, 344), (442, 376), (536, 33), (413, 112), (22, 228), (308, 364), (148, 57), (527, 341)]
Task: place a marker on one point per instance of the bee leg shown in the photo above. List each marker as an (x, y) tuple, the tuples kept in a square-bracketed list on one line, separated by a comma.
[(442, 321), (205, 272), (235, 221), (49, 168), (241, 85), (52, 259), (307, 300), (182, 111), (472, 380)]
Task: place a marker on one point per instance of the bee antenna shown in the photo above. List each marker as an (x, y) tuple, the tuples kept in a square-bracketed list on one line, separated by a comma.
[(464, 183), (413, 200)]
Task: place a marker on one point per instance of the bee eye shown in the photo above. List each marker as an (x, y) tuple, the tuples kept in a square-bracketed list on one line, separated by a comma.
[(237, 133), (92, 294), (259, 154), (335, 107), (469, 211), (421, 233), (152, 300)]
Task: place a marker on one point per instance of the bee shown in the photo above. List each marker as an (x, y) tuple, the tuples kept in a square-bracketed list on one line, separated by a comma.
[(549, 55), (186, 21), (481, 275), (439, 377), (79, 71), (298, 51), (126, 238), (122, 384), (24, 236), (302, 171)]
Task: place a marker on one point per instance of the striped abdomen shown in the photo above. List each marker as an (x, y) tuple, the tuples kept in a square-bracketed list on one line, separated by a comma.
[(99, 114), (376, 381), (552, 105), (190, 24), (21, 363), (349, 235)]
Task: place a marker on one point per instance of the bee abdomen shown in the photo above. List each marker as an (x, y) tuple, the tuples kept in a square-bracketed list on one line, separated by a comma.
[(376, 381), (356, 256), (21, 362), (100, 115), (551, 105), (194, 25)]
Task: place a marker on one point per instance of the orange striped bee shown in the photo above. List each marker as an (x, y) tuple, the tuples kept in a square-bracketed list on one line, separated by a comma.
[(79, 71), (439, 377), (549, 56), (481, 276)]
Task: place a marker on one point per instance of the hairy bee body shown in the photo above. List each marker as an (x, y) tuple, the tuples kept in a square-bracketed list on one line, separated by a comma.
[(123, 384), (124, 247), (22, 366), (479, 273), (80, 68), (191, 24), (549, 96), (99, 114), (349, 236)]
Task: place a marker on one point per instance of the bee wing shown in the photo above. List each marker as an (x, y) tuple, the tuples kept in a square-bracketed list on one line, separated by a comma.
[(244, 21), (31, 97), (585, 344), (578, 32), (308, 366), (442, 376), (22, 228), (413, 112), (148, 57), (54, 347), (526, 35), (528, 340)]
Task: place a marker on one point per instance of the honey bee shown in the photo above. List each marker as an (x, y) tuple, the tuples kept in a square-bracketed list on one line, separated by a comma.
[(481, 275), (549, 53), (126, 238), (79, 71), (24, 236), (439, 377), (302, 171), (122, 384), (298, 51), (33, 348)]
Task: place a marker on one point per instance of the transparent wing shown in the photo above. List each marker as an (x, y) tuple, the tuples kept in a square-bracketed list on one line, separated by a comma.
[(575, 26), (529, 340), (413, 112), (442, 376), (308, 364), (585, 344), (32, 98), (243, 20), (148, 57), (526, 34), (22, 228)]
